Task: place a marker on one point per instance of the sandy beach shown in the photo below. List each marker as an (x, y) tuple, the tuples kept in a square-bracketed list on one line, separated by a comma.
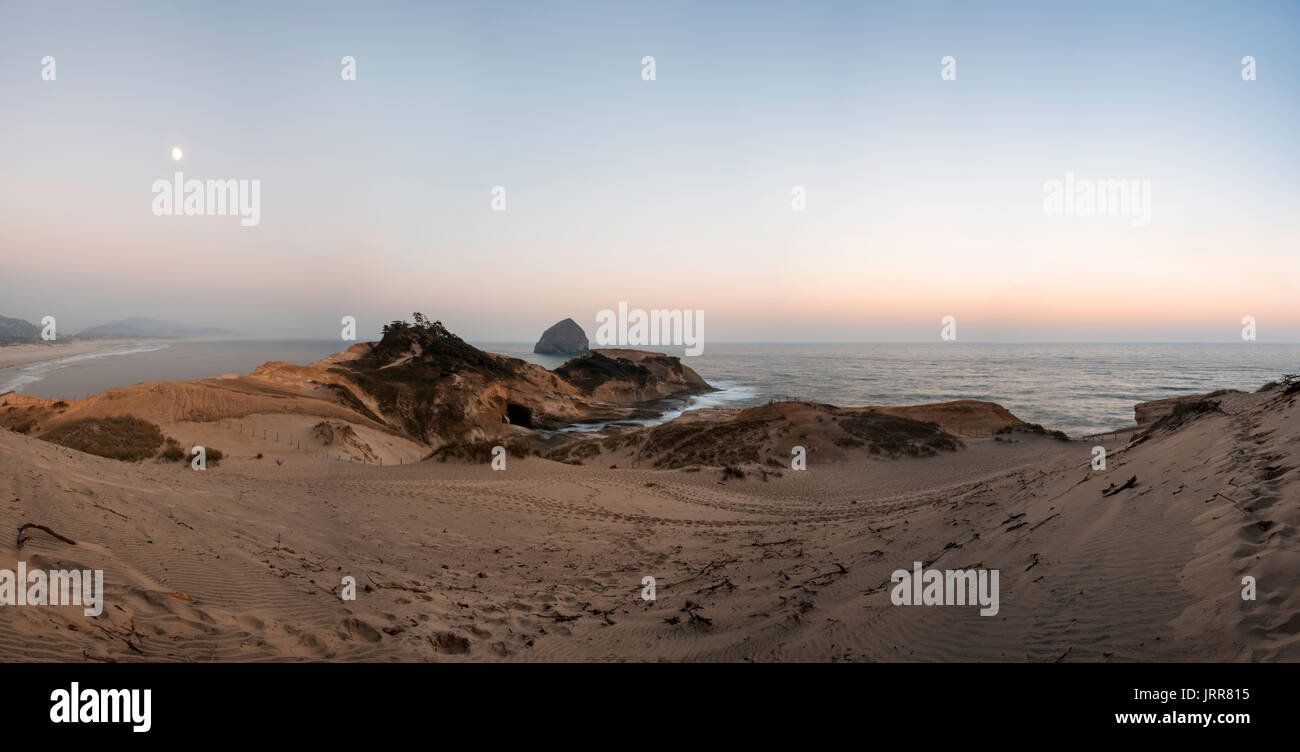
[(12, 356)]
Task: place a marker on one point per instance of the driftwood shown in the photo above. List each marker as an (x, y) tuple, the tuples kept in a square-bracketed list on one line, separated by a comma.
[(129, 644), (1045, 520), (24, 538), (1113, 489), (400, 586), (839, 570)]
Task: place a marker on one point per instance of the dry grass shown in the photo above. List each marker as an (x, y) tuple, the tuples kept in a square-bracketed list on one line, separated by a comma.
[(1033, 428), (121, 438), (481, 451), (896, 436)]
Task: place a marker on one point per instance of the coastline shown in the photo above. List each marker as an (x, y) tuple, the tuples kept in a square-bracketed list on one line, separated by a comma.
[(1046, 392), (773, 531), (30, 353)]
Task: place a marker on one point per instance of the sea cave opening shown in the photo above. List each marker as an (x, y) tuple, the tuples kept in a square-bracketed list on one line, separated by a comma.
[(518, 415)]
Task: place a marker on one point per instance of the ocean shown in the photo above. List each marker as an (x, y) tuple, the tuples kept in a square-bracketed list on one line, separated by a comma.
[(1078, 388)]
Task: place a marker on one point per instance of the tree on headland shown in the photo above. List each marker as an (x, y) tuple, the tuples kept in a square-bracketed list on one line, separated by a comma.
[(422, 323)]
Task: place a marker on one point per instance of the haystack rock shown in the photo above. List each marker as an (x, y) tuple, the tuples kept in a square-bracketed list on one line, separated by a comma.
[(565, 338)]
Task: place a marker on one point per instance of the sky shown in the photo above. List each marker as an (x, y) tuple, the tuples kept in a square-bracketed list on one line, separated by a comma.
[(924, 197)]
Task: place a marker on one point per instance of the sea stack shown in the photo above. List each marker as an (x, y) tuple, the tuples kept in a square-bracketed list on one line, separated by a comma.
[(565, 338)]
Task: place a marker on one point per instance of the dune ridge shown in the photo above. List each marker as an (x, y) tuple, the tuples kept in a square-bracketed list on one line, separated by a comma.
[(544, 560)]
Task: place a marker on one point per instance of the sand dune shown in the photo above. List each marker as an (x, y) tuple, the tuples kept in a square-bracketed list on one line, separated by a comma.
[(544, 561)]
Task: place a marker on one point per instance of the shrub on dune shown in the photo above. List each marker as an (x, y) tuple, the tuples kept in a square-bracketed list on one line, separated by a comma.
[(120, 438)]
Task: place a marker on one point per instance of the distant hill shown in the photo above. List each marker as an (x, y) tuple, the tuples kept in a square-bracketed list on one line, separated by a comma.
[(140, 327), (17, 330)]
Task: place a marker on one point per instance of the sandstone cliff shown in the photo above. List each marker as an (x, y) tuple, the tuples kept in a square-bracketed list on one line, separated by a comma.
[(419, 383)]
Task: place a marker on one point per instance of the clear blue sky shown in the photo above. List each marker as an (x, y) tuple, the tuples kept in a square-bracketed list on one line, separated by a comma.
[(924, 195)]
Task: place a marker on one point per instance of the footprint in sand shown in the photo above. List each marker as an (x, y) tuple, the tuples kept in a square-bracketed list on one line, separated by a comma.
[(356, 628), (450, 643)]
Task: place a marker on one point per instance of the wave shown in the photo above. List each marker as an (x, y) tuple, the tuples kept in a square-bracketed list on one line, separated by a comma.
[(13, 379), (728, 394)]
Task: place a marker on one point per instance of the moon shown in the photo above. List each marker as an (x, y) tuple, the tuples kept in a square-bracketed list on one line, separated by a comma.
[(177, 153)]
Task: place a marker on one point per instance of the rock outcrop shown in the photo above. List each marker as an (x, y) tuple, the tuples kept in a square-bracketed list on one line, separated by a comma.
[(438, 389), (420, 384), (767, 434), (1148, 414), (630, 376), (564, 338)]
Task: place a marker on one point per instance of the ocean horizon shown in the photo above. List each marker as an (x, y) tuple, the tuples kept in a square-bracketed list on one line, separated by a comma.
[(1079, 388)]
